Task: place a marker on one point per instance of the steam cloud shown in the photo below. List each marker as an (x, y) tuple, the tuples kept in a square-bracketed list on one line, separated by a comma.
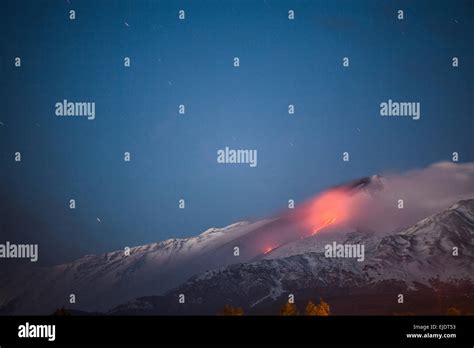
[(423, 191)]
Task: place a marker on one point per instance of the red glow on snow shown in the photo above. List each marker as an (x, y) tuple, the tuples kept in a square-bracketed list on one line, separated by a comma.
[(326, 224), (329, 208), (269, 249)]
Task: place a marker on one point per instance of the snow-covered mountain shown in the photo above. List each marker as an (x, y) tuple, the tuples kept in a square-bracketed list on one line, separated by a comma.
[(273, 246), (101, 281), (411, 259)]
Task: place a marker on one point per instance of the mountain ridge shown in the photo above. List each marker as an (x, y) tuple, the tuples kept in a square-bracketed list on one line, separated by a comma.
[(391, 260)]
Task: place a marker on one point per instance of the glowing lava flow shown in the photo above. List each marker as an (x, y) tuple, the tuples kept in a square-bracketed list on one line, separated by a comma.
[(269, 249), (326, 224), (327, 209)]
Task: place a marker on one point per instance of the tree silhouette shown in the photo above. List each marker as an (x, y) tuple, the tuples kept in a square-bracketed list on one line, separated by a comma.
[(289, 309), (311, 309), (453, 311), (321, 309), (61, 312), (229, 310)]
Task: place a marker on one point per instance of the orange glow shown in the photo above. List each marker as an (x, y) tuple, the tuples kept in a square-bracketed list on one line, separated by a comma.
[(326, 224), (269, 249), (327, 209)]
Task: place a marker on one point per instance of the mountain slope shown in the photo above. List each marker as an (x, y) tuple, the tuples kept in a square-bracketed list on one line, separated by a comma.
[(414, 258), (102, 281)]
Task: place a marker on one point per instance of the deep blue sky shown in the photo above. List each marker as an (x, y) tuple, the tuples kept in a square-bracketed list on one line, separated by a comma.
[(190, 62)]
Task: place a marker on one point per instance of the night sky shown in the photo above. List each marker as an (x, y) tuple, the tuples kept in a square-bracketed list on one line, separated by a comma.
[(190, 62)]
